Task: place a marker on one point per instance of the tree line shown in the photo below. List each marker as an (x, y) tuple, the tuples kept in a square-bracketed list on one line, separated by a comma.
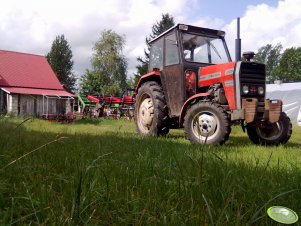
[(280, 65), (108, 73)]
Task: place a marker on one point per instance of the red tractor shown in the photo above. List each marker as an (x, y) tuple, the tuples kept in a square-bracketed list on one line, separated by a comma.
[(193, 83)]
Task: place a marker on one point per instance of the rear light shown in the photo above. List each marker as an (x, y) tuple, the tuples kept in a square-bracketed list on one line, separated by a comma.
[(190, 78)]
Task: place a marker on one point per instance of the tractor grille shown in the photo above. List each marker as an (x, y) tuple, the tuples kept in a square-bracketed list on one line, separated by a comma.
[(253, 75)]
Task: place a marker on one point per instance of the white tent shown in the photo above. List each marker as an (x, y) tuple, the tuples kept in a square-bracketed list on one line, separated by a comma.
[(290, 94)]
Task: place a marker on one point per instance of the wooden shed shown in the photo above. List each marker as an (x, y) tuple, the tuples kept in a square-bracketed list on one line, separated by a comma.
[(28, 86)]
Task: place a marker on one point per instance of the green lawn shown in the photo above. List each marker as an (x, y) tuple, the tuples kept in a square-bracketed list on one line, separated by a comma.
[(100, 172)]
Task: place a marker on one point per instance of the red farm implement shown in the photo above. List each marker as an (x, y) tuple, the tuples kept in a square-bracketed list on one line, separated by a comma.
[(112, 106)]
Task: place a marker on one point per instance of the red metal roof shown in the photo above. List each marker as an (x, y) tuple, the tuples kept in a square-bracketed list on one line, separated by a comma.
[(46, 92), (22, 70)]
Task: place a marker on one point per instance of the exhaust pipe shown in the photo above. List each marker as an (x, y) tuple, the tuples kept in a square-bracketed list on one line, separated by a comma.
[(238, 42)]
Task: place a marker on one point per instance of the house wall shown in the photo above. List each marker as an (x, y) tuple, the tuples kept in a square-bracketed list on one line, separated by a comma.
[(27, 105), (69, 106), (3, 102), (36, 105), (47, 106), (12, 105)]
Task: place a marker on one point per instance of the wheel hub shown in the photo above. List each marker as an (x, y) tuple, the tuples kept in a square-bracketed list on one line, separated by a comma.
[(206, 124), (146, 113), (270, 132)]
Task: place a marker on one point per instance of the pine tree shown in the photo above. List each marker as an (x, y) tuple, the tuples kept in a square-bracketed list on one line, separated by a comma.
[(60, 60), (166, 22)]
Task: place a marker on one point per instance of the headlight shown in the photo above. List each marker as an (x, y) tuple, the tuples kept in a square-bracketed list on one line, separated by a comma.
[(260, 90), (245, 89)]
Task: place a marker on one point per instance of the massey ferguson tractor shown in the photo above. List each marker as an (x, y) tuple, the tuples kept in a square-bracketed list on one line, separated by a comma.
[(193, 83)]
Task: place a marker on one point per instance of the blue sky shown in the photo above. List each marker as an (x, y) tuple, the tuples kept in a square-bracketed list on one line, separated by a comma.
[(31, 26), (227, 10)]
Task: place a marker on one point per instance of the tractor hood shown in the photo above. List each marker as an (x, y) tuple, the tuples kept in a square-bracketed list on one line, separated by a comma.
[(220, 73)]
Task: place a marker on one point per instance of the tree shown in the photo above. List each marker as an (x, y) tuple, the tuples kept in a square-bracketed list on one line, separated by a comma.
[(90, 82), (60, 60), (289, 69), (108, 74), (166, 22), (270, 55)]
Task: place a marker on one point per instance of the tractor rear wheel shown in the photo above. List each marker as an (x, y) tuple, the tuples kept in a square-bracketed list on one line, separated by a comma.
[(207, 123), (151, 113), (271, 133)]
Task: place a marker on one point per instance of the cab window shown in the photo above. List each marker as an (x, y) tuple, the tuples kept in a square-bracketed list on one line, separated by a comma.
[(171, 51), (156, 55)]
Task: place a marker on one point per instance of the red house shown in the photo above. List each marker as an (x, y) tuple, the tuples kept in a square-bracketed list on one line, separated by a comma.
[(28, 86)]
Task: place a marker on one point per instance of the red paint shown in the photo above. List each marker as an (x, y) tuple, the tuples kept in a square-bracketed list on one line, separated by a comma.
[(92, 98), (218, 75), (32, 91), (27, 70), (156, 72), (187, 103), (190, 77), (126, 100)]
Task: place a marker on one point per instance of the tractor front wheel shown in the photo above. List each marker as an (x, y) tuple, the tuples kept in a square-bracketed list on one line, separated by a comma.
[(151, 113), (208, 123), (266, 133)]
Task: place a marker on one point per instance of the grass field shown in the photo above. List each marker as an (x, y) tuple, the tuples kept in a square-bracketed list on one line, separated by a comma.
[(100, 172)]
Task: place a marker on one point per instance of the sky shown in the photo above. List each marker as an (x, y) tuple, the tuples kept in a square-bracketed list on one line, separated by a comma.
[(31, 26)]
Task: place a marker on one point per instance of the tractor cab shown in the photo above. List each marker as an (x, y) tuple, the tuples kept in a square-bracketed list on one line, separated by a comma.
[(188, 44), (179, 53)]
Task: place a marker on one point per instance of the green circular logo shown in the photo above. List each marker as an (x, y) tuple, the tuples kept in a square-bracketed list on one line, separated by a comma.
[(282, 215)]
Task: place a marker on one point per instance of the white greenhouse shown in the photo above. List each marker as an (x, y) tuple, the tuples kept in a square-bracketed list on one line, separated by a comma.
[(290, 94)]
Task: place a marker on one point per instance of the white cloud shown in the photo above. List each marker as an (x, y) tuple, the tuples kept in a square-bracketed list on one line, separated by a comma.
[(262, 25), (31, 25)]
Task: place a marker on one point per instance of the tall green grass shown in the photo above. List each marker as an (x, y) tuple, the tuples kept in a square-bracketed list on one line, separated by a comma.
[(100, 172)]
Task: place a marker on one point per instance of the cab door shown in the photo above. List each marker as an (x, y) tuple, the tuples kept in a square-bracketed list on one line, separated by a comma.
[(172, 76)]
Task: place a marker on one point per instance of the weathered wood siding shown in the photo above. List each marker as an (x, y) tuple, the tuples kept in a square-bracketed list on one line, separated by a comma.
[(24, 105), (3, 102), (13, 104)]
